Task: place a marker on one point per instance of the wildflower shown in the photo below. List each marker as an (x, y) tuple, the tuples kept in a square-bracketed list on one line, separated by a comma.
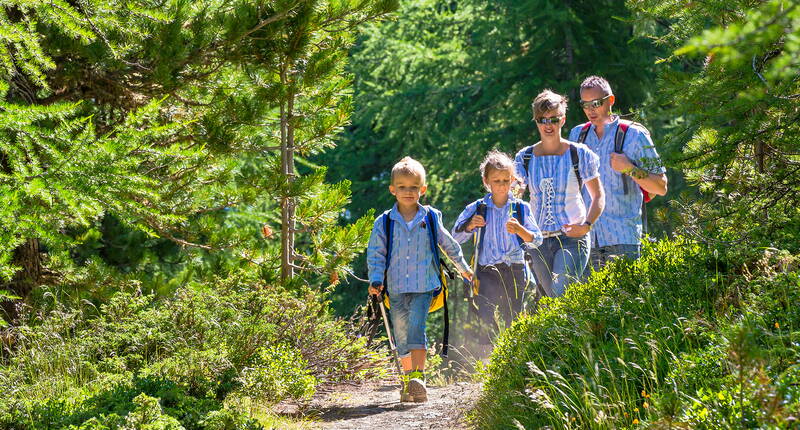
[(777, 325), (644, 393), (636, 410), (635, 421), (625, 414), (573, 419), (646, 405)]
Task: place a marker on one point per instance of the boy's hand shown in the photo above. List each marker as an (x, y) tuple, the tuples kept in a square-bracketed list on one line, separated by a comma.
[(477, 221), (466, 275), (375, 290)]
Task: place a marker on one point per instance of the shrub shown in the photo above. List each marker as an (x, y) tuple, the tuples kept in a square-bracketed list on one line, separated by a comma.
[(684, 336), (188, 354)]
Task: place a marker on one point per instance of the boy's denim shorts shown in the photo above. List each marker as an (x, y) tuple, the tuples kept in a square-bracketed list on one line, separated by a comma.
[(409, 312)]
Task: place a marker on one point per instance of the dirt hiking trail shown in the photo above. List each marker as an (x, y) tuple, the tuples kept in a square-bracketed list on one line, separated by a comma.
[(377, 405)]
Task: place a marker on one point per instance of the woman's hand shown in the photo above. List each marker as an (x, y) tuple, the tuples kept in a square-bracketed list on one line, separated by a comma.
[(575, 230)]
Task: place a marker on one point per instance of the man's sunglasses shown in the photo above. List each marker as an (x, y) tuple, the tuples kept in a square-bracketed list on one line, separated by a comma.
[(551, 120), (596, 103)]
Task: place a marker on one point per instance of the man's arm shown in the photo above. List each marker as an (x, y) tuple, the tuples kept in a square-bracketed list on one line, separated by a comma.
[(651, 179), (653, 183)]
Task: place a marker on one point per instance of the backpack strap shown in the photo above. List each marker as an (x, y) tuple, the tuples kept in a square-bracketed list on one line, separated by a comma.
[(483, 230), (526, 160), (619, 143), (584, 132), (433, 234), (388, 229), (573, 153), (519, 213)]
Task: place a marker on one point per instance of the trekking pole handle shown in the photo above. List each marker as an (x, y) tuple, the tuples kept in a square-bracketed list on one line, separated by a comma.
[(481, 210)]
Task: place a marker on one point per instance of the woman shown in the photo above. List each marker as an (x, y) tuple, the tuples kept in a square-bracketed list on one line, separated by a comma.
[(554, 171)]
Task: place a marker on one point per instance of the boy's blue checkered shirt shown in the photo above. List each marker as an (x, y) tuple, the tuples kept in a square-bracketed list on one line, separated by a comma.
[(621, 222), (499, 246), (411, 269)]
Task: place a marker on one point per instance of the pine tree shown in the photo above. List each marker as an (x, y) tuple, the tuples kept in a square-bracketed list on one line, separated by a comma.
[(167, 117), (732, 86)]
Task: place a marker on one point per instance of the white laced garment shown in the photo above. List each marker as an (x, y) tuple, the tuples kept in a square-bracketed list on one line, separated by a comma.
[(547, 214)]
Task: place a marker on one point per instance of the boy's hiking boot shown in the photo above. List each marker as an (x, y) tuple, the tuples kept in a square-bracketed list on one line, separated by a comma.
[(416, 387), (405, 396)]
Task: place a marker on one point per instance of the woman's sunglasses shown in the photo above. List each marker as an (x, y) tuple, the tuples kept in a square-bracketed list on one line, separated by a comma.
[(551, 120), (596, 103)]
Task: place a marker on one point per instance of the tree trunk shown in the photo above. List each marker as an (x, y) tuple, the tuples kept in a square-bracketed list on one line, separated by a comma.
[(287, 168), (29, 260)]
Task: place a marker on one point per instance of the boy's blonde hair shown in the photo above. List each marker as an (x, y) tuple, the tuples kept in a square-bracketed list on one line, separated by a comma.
[(409, 167), (496, 161), (547, 101)]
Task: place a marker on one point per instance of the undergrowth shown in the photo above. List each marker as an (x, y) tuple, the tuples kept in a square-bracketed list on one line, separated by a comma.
[(685, 337), (187, 361)]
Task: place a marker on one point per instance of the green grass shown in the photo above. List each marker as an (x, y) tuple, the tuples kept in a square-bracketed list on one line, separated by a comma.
[(685, 337)]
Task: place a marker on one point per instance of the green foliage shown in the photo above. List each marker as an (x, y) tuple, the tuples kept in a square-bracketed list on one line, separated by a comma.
[(683, 337), (281, 374), (732, 83), (195, 352), (155, 145)]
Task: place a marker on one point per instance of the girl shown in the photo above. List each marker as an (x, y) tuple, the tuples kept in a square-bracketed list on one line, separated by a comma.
[(508, 223)]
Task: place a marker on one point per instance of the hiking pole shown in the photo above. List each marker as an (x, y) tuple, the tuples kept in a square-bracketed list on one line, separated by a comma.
[(392, 346), (481, 210)]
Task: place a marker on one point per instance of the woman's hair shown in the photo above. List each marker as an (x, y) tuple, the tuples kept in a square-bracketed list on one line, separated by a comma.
[(496, 161), (409, 167), (547, 101)]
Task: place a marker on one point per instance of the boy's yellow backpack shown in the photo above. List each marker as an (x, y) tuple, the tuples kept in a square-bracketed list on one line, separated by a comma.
[(440, 294)]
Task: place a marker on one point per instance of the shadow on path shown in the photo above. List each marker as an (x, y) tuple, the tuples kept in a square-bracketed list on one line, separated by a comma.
[(378, 406)]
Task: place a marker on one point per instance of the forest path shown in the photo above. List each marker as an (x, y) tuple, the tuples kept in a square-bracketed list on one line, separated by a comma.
[(377, 406)]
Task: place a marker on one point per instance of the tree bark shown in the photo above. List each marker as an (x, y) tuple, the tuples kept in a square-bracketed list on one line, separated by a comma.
[(29, 260), (287, 168)]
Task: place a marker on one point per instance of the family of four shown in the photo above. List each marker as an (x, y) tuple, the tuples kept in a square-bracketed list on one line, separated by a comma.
[(586, 202)]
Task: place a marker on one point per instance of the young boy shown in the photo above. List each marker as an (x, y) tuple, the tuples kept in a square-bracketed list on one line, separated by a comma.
[(501, 272), (412, 274)]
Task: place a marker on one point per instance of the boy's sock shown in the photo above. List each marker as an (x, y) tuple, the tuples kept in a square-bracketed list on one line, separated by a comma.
[(405, 396), (416, 374)]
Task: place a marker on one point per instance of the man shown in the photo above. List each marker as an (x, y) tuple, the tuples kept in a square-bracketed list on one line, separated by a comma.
[(626, 173)]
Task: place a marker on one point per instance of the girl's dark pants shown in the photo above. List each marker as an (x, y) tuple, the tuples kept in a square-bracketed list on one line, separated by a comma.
[(502, 289)]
